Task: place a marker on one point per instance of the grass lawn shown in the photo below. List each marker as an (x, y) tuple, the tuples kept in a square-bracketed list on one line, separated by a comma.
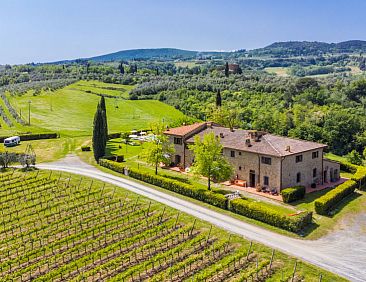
[(48, 150), (70, 110), (280, 71), (98, 87)]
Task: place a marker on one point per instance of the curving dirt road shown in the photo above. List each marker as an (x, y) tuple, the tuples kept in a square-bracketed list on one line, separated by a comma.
[(343, 252)]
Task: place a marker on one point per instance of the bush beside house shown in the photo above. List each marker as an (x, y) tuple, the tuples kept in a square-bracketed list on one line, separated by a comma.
[(262, 213), (325, 203), (293, 194)]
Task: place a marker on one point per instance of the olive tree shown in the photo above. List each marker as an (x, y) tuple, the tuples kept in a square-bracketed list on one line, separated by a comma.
[(209, 160)]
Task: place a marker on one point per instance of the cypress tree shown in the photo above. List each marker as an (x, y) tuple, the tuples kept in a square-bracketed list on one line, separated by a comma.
[(121, 68), (227, 69), (104, 109), (218, 98), (98, 134)]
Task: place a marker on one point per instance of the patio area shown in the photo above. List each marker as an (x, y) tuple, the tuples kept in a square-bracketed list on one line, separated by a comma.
[(252, 190), (241, 185), (278, 197), (326, 185)]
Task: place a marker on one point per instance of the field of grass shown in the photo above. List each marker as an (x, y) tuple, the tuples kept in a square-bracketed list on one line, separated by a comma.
[(70, 110), (280, 71), (58, 227), (48, 150), (185, 64), (97, 87)]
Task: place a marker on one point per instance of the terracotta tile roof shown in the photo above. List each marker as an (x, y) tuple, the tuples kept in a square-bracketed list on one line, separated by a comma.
[(184, 130), (268, 144)]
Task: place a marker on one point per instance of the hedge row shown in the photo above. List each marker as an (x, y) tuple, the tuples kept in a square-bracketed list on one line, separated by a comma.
[(328, 201), (348, 167), (39, 136), (262, 213), (360, 177), (247, 208), (114, 135), (293, 194), (358, 171), (188, 190)]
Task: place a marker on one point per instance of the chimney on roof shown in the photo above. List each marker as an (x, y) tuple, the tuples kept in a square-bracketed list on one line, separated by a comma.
[(288, 149), (209, 124), (247, 142), (221, 135)]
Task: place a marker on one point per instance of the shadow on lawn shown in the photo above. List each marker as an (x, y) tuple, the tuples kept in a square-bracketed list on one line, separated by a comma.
[(344, 203), (310, 198)]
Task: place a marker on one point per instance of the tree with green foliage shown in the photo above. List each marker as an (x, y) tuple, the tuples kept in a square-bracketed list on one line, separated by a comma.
[(227, 69), (209, 160), (126, 138), (159, 149), (364, 153), (354, 157), (225, 116), (99, 133), (104, 109), (121, 68), (218, 98)]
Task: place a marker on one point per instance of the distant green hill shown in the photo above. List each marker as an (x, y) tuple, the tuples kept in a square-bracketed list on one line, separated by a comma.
[(306, 48), (158, 53), (277, 49)]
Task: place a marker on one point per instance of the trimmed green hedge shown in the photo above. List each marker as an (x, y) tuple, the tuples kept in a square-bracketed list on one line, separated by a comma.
[(293, 194), (185, 189), (38, 136), (325, 203), (360, 177), (257, 211), (262, 213), (348, 167)]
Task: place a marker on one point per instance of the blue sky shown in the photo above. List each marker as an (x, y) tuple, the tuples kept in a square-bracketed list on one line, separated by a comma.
[(49, 30)]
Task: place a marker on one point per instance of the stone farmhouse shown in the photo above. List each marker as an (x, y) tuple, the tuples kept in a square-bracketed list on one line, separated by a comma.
[(260, 158)]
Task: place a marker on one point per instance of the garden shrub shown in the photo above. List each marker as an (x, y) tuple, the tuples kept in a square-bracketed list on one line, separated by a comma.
[(270, 216), (293, 194), (118, 158), (85, 148), (114, 135), (328, 201)]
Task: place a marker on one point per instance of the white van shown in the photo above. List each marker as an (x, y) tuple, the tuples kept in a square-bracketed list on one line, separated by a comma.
[(11, 141)]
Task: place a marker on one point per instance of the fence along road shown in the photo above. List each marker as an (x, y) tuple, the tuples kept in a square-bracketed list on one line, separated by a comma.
[(340, 253)]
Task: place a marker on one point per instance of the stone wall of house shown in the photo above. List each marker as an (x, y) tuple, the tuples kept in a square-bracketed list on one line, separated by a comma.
[(245, 163), (290, 169), (280, 173), (331, 170), (178, 149), (182, 149)]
